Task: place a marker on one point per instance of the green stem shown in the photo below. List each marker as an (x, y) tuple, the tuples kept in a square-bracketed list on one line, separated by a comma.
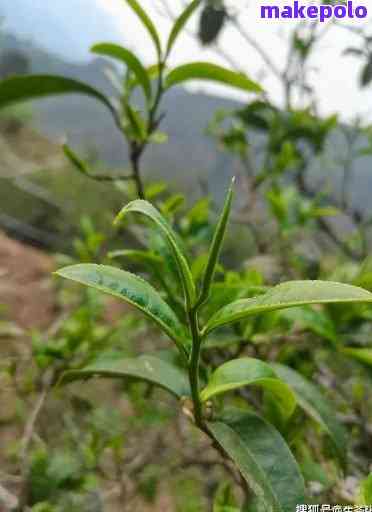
[(137, 150), (194, 366)]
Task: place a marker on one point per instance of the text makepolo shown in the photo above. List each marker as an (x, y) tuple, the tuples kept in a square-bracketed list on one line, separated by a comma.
[(313, 12)]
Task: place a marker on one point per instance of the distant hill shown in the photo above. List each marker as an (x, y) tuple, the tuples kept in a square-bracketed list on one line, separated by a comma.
[(189, 155)]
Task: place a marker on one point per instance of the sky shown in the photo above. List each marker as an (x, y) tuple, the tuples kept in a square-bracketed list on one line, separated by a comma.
[(70, 27)]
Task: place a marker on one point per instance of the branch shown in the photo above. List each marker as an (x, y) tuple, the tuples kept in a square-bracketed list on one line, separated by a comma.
[(27, 438), (256, 46), (8, 502)]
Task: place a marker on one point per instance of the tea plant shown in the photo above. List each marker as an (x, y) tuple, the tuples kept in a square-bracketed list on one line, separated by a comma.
[(138, 124), (258, 443)]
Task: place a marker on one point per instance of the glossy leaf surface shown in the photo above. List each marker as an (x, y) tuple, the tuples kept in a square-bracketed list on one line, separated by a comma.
[(212, 73), (288, 295), (263, 458), (247, 371), (147, 23), (130, 288), (145, 208), (147, 368), (180, 23), (216, 245)]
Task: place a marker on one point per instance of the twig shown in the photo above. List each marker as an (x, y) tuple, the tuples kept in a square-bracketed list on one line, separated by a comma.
[(7, 500), (30, 425), (27, 439)]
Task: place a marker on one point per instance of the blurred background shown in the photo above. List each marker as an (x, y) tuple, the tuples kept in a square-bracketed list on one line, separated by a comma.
[(56, 39)]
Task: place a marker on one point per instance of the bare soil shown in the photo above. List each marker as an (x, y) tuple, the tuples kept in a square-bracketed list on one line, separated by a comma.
[(26, 289)]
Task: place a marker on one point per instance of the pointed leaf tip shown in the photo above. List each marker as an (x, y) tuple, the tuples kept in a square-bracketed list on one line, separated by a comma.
[(289, 295), (147, 23), (148, 210), (128, 58), (213, 73), (215, 249), (180, 23)]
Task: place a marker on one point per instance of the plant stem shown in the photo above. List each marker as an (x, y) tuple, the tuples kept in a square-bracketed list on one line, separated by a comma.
[(194, 366), (135, 156), (137, 148)]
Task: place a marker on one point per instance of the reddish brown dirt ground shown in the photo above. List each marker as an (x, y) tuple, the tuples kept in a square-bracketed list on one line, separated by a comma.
[(25, 285)]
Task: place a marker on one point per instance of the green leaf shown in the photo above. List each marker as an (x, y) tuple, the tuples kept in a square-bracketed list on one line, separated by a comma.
[(363, 355), (147, 23), (313, 402), (124, 55), (146, 208), (263, 458), (289, 295), (148, 368), (76, 161), (213, 73), (31, 87), (132, 289), (365, 491), (152, 72), (180, 23), (215, 248), (247, 371), (134, 124)]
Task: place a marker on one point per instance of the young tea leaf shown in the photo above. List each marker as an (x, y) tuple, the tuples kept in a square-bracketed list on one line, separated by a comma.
[(289, 295), (152, 72), (75, 160), (146, 367), (24, 88), (213, 73), (215, 248), (313, 402), (145, 208), (124, 55), (263, 458), (247, 371), (132, 289), (180, 23), (147, 23)]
